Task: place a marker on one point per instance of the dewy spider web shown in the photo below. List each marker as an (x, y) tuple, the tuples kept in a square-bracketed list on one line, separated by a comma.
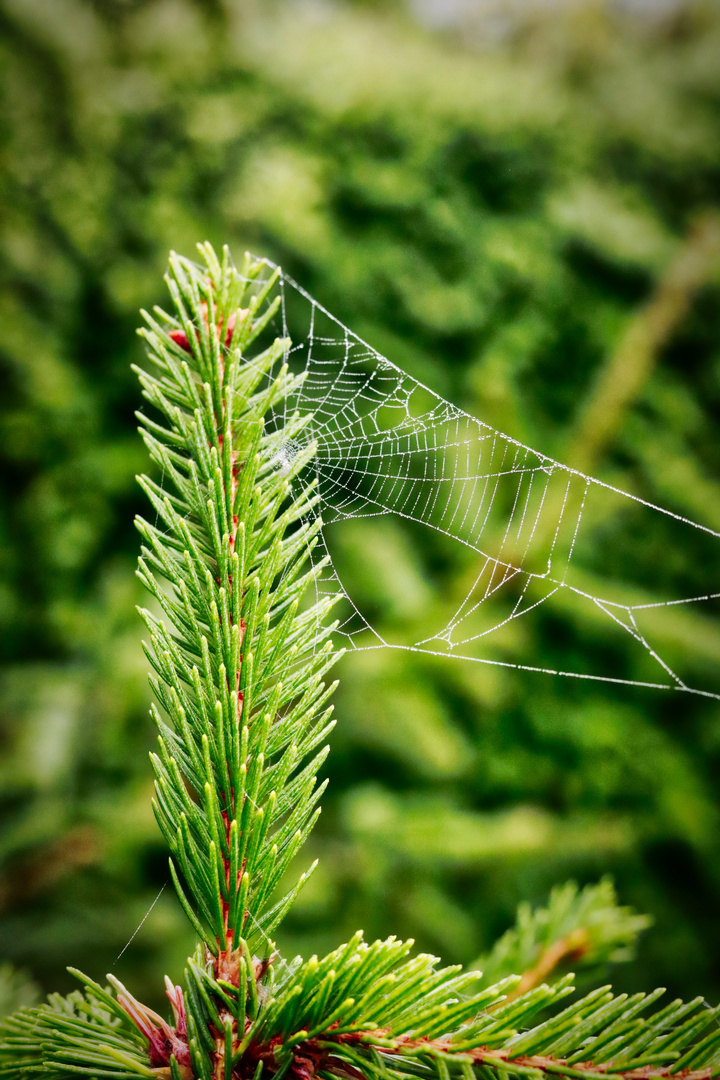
[(387, 445)]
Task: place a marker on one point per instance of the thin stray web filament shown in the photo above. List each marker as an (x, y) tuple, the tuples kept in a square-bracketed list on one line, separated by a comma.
[(390, 446)]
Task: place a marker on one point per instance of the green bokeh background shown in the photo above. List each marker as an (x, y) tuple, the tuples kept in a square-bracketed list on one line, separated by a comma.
[(492, 212)]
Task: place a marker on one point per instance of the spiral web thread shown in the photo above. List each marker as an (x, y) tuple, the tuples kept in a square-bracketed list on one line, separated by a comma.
[(388, 445)]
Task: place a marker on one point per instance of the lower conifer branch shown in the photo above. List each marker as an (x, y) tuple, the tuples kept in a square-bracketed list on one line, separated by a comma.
[(568, 949)]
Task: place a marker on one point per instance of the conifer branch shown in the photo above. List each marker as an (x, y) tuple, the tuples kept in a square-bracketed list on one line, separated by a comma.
[(239, 660), (239, 674), (579, 928)]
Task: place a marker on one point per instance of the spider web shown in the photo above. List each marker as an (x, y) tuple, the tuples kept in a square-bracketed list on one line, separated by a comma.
[(535, 530)]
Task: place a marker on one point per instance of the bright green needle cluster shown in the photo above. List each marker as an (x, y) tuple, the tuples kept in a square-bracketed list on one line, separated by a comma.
[(240, 677), (240, 657)]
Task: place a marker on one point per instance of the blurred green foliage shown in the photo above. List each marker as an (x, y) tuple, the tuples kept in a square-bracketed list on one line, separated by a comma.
[(493, 220)]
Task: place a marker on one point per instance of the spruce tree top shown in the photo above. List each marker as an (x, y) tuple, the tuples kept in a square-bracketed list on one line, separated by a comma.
[(240, 649)]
